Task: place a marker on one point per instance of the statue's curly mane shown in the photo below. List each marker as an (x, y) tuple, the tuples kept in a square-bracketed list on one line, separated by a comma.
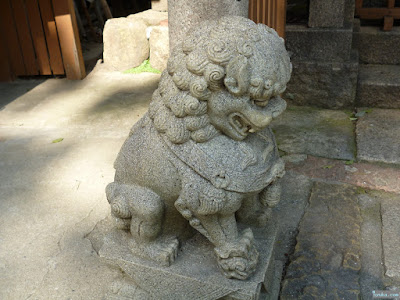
[(213, 57)]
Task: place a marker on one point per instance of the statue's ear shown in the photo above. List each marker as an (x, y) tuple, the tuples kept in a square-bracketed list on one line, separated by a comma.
[(237, 75)]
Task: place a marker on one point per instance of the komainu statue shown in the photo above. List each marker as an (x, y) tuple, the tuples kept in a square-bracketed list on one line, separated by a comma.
[(203, 154)]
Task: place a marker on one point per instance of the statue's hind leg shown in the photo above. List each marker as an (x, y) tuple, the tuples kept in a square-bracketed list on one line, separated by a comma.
[(256, 210), (145, 210)]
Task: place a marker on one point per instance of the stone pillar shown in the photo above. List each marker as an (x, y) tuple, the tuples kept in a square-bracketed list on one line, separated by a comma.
[(331, 13), (184, 14), (326, 13)]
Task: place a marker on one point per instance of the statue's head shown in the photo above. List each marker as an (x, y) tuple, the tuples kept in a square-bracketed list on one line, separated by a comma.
[(225, 77)]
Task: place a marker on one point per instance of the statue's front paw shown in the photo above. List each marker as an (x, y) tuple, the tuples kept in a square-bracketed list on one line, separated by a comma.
[(271, 195), (239, 267), (238, 260)]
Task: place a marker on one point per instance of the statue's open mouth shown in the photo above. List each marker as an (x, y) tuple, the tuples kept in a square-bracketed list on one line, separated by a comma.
[(242, 125), (261, 103)]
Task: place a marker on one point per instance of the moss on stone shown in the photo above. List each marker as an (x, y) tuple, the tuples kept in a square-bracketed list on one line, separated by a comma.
[(144, 67)]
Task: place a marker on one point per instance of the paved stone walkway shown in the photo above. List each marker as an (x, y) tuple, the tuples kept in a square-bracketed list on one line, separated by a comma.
[(339, 217)]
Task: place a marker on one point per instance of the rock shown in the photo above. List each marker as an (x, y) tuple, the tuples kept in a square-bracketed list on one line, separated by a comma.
[(150, 17), (159, 5), (306, 130), (378, 133), (326, 262), (125, 43), (159, 47), (379, 86), (183, 15)]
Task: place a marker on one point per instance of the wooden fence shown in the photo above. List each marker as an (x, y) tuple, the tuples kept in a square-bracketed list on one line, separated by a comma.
[(39, 37), (269, 12), (388, 14)]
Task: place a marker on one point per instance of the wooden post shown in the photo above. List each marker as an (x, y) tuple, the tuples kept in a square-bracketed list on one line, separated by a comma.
[(6, 72), (280, 25), (11, 38), (24, 36), (50, 30), (388, 20), (269, 12), (69, 39), (39, 40), (388, 14)]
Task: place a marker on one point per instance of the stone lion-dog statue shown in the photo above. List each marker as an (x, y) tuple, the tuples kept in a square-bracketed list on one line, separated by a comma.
[(203, 154)]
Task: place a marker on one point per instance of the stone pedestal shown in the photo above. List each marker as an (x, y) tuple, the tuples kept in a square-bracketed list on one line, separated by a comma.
[(327, 84), (325, 67), (194, 274), (183, 14), (318, 44)]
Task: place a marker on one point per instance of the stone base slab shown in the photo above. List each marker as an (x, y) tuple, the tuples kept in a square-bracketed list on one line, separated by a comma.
[(194, 274), (378, 136)]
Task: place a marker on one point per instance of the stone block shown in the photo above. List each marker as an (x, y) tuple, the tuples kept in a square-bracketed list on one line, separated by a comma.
[(391, 236), (289, 212), (326, 13), (376, 46), (326, 133), (362, 174), (125, 43), (379, 86), (371, 245), (150, 17), (349, 8), (326, 262), (317, 44), (183, 15), (159, 5), (194, 275), (159, 47), (323, 84), (378, 136)]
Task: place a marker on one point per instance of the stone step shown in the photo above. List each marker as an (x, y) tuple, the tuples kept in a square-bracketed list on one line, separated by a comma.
[(376, 46), (378, 86)]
